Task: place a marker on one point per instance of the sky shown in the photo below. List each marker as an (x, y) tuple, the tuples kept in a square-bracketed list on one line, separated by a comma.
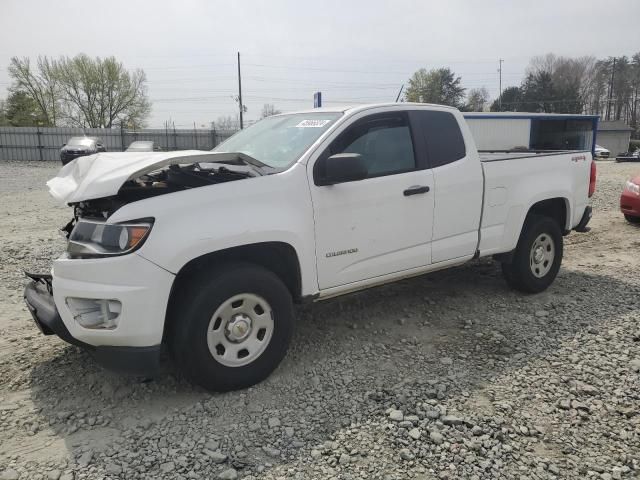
[(353, 51)]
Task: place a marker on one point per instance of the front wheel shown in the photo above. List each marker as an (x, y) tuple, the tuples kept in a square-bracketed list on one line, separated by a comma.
[(537, 257), (632, 219), (231, 328)]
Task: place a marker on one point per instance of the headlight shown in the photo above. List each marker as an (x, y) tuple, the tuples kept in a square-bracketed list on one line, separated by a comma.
[(632, 187), (91, 239)]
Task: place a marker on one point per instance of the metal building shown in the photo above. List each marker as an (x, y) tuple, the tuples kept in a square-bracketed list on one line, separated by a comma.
[(614, 136)]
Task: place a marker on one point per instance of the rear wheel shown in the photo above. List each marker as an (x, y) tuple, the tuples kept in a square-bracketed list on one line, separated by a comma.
[(537, 257), (231, 328), (632, 219)]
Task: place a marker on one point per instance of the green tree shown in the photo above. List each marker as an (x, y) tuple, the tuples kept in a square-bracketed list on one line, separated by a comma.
[(21, 110), (439, 86), (538, 94), (83, 91), (511, 100), (477, 99), (3, 114), (39, 82)]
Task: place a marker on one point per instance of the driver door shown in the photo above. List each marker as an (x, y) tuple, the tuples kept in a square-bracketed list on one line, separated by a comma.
[(380, 225)]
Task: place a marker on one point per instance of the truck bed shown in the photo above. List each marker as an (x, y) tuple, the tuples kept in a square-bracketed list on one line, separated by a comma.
[(500, 155), (514, 181)]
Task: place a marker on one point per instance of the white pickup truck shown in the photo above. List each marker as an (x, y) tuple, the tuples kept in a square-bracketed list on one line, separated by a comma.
[(207, 252)]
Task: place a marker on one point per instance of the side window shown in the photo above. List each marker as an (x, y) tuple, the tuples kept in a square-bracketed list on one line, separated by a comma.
[(384, 141), (442, 136)]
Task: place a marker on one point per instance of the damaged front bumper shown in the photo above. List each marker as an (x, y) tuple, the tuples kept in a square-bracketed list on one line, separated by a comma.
[(38, 296)]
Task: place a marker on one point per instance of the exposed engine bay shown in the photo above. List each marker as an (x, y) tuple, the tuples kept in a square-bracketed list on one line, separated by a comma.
[(173, 178)]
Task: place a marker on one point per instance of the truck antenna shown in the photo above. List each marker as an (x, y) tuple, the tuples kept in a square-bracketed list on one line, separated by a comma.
[(399, 92)]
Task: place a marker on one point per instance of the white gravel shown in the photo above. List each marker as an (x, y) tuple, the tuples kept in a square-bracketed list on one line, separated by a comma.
[(445, 376)]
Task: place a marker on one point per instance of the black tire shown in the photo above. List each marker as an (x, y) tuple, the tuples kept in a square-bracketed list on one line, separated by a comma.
[(632, 219), (508, 274), (519, 274), (192, 312)]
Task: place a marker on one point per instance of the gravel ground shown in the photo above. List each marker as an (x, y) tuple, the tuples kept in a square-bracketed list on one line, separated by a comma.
[(446, 376)]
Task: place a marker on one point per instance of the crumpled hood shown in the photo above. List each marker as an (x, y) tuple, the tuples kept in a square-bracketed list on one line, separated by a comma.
[(102, 174)]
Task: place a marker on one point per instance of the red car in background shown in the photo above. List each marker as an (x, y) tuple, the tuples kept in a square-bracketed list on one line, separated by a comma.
[(630, 200)]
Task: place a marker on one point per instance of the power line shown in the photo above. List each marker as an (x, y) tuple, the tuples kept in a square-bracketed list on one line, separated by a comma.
[(325, 69)]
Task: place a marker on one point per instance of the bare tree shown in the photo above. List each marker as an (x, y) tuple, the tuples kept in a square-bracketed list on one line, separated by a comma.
[(40, 83), (102, 93), (227, 123), (269, 109), (542, 63), (571, 86), (593, 85), (634, 100)]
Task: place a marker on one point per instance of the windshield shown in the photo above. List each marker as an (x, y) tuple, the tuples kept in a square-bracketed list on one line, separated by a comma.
[(279, 141), (80, 141)]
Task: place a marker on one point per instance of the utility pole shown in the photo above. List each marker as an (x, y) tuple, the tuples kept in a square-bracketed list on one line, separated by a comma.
[(500, 86), (240, 93), (610, 96)]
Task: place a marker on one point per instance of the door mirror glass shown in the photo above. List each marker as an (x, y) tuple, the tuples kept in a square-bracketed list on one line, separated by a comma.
[(340, 168)]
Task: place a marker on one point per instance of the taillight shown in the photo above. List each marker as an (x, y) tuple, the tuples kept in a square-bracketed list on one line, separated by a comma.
[(592, 179)]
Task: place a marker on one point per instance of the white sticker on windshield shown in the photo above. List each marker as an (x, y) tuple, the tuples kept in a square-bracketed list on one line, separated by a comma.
[(312, 123)]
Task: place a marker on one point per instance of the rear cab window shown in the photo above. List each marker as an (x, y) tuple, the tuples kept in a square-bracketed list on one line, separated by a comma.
[(441, 135)]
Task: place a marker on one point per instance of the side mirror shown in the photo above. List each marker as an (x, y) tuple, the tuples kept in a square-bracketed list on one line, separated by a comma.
[(64, 144), (340, 168)]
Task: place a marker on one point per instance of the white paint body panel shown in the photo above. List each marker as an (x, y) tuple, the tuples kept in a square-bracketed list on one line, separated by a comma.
[(458, 203), (272, 208), (102, 174), (513, 186), (142, 288), (390, 231), (471, 205)]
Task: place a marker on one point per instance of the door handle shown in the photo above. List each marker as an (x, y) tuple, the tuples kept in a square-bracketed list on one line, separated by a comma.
[(416, 190)]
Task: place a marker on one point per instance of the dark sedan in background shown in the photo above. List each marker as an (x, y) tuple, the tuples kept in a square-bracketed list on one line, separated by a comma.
[(79, 147)]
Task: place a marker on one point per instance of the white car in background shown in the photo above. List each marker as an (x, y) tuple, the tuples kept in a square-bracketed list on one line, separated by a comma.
[(142, 146), (601, 152)]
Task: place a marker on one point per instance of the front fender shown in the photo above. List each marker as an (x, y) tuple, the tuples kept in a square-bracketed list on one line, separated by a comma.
[(199, 221)]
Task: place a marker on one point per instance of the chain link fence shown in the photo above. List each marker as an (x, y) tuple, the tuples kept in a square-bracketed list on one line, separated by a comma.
[(35, 143)]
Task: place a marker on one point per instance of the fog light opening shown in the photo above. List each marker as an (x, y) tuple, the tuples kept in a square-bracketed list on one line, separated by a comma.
[(95, 313)]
